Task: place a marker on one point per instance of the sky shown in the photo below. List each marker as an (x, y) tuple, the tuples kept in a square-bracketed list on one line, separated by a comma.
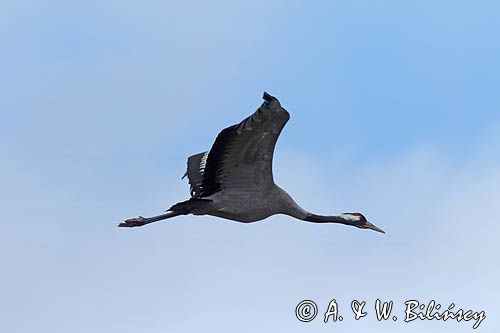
[(395, 113)]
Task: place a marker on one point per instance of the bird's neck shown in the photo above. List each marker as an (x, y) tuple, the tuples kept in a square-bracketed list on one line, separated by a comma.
[(291, 208), (341, 218), (288, 206)]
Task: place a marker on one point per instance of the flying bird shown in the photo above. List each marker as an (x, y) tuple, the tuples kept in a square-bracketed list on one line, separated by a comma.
[(234, 179)]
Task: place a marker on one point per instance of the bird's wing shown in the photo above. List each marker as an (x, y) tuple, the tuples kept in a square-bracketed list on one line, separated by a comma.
[(195, 170), (241, 157)]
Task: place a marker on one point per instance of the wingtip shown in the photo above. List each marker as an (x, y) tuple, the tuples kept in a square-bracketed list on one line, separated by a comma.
[(267, 97)]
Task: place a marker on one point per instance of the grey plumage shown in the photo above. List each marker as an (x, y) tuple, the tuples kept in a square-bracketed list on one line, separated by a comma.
[(234, 179)]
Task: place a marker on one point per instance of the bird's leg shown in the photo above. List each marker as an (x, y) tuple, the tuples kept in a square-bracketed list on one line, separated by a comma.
[(140, 221)]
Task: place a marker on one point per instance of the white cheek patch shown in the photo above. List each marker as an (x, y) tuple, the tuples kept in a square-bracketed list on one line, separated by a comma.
[(351, 217)]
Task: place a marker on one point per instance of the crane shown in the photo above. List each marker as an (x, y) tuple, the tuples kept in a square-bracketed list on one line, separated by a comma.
[(234, 179)]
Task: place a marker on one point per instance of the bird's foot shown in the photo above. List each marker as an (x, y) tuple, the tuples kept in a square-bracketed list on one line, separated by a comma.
[(133, 222)]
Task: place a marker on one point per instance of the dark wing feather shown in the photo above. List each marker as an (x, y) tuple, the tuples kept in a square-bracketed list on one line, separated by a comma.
[(195, 170), (241, 157)]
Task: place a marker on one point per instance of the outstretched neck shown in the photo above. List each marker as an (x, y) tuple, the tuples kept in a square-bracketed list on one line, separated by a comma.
[(343, 219), (290, 207)]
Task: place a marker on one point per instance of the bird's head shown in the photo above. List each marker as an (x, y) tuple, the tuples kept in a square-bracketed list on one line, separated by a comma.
[(359, 220)]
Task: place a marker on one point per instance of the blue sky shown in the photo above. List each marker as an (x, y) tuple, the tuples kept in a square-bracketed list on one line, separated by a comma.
[(395, 113)]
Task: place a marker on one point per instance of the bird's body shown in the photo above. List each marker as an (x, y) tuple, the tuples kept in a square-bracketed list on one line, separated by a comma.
[(237, 206), (234, 180)]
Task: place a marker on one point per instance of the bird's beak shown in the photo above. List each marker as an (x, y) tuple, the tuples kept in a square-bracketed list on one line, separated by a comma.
[(369, 225)]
